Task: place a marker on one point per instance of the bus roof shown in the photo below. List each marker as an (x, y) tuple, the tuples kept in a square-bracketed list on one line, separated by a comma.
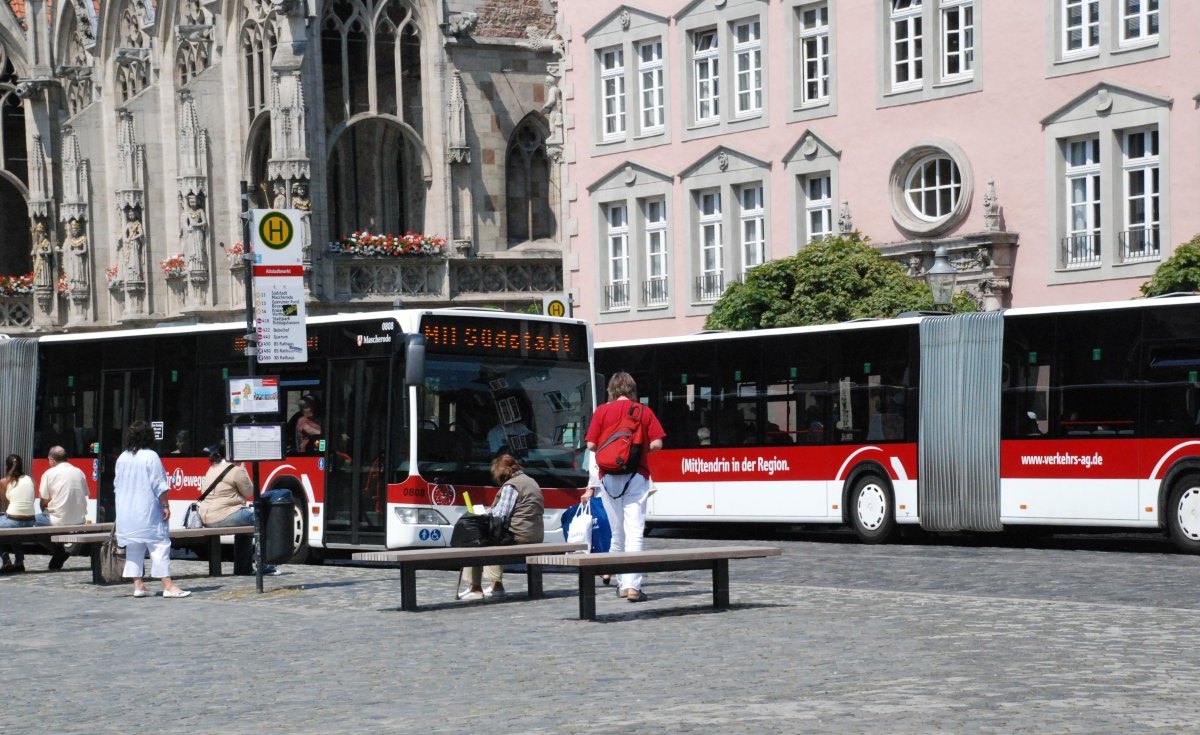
[(1173, 300), (407, 318)]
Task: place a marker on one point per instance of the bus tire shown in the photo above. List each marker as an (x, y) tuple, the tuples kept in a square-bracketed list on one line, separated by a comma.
[(872, 509), (300, 549), (1183, 513)]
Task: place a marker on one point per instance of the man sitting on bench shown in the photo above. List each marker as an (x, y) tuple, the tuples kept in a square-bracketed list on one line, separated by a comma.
[(64, 494)]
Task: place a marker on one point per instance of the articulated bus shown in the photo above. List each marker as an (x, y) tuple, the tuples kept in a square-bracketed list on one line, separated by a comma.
[(1086, 416), (399, 429)]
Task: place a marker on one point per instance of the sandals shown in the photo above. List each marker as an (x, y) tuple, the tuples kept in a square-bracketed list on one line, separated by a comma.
[(176, 593), (606, 578)]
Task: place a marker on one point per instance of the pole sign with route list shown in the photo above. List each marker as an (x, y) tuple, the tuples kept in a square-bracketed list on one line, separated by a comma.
[(278, 282)]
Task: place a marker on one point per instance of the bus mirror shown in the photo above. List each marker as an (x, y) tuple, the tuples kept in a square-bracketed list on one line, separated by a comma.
[(414, 359)]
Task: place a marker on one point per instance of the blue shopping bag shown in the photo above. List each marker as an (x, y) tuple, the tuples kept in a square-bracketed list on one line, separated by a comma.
[(601, 531)]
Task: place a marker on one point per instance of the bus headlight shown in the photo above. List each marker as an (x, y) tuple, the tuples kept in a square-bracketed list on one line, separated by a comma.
[(421, 517)]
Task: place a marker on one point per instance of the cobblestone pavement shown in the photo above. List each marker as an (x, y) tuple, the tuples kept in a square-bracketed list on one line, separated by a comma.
[(834, 637)]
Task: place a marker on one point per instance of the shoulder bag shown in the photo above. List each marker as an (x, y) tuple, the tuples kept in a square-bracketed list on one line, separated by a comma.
[(191, 519), (112, 560)]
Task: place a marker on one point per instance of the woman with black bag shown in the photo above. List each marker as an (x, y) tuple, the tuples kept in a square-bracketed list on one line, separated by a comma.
[(518, 510)]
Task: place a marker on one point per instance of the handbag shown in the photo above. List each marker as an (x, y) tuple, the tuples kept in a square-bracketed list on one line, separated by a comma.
[(472, 529), (580, 529), (112, 560), (191, 519)]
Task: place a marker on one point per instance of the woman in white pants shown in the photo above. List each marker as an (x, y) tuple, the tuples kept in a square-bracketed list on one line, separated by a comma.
[(143, 513)]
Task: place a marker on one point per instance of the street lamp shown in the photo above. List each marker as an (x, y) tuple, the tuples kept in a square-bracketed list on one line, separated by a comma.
[(941, 279)]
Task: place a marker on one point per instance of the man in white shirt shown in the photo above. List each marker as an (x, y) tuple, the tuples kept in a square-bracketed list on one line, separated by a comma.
[(64, 494)]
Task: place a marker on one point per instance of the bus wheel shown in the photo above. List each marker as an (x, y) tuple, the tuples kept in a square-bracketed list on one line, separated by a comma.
[(1183, 513), (300, 552), (871, 511)]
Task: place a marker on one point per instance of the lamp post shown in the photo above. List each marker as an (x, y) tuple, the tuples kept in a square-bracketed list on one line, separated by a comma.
[(941, 279)]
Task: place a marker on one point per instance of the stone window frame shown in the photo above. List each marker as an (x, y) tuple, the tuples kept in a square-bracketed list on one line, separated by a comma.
[(933, 85), (628, 28), (726, 170), (797, 110), (912, 224), (722, 16), (811, 155), (1106, 111), (632, 185), (1111, 51)]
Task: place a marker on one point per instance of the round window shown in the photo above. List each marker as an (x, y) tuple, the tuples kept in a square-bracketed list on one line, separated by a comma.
[(933, 187), (930, 188)]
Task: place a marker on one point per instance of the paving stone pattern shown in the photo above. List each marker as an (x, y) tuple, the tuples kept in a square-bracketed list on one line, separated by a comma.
[(833, 637)]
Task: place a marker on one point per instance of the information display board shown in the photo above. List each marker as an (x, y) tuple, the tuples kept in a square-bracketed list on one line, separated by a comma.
[(254, 442), (254, 395)]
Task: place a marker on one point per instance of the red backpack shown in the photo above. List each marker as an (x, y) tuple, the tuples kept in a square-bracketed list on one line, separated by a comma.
[(620, 450)]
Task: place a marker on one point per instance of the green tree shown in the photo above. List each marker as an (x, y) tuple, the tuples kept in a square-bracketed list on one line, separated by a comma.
[(1180, 272), (834, 280)]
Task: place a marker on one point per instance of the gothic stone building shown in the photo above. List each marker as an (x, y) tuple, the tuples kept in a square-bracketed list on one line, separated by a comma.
[(129, 127)]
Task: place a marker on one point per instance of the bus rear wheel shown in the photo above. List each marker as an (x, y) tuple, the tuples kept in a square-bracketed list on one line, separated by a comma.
[(300, 548), (872, 511), (1183, 513)]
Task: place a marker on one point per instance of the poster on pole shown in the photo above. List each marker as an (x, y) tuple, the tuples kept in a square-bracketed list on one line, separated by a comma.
[(278, 285), (254, 442), (254, 395)]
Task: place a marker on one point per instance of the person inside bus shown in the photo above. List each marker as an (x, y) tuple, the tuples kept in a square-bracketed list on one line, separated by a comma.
[(229, 490), (182, 443), (519, 506), (20, 512), (308, 426)]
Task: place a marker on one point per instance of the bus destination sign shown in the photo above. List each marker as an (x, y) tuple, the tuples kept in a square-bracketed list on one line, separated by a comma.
[(533, 339)]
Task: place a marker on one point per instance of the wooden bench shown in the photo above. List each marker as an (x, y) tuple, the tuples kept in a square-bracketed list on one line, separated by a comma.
[(715, 558), (35, 532), (211, 535), (453, 559)]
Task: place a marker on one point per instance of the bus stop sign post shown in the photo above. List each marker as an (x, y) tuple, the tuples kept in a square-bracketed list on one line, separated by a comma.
[(251, 359)]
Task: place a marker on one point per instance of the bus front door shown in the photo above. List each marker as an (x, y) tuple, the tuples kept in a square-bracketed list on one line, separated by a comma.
[(356, 452), (124, 397)]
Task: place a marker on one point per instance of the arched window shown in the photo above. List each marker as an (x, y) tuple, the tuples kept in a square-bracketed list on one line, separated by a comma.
[(371, 66), (14, 211), (78, 63), (194, 50), (258, 44), (371, 61), (133, 54), (375, 177), (527, 184)]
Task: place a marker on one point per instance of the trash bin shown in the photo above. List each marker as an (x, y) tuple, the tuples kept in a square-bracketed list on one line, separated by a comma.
[(276, 513)]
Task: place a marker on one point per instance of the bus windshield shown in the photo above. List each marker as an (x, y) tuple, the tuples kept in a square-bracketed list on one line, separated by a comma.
[(474, 408)]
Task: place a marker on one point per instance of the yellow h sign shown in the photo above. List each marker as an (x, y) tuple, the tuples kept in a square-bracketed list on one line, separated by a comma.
[(275, 230)]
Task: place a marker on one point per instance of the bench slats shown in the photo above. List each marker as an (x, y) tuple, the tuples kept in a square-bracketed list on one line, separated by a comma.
[(176, 533), (38, 531), (654, 556), (482, 554), (715, 558)]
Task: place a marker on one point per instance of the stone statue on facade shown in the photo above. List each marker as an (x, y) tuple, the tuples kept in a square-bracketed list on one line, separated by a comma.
[(194, 235), (43, 270), (301, 202), (130, 246), (75, 256), (279, 201)]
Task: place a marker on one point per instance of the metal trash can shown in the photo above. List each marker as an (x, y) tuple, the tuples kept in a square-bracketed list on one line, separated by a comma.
[(276, 512)]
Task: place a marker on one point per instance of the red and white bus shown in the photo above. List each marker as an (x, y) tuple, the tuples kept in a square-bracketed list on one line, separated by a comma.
[(392, 461), (1081, 416)]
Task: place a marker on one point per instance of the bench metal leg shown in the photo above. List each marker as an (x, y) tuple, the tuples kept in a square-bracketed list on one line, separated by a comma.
[(214, 556), (533, 579), (721, 583), (97, 578), (587, 594), (408, 588)]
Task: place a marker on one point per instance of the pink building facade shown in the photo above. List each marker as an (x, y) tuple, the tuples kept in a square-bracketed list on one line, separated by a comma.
[(1050, 145)]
